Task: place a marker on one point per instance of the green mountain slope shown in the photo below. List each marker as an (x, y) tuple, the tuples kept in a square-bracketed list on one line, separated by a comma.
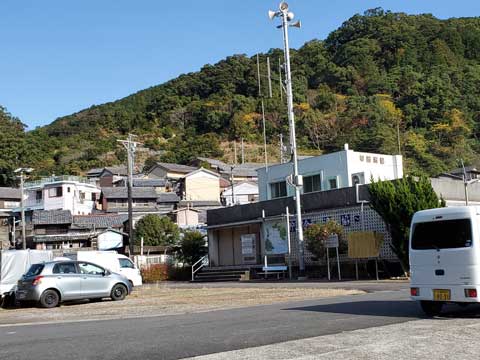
[(383, 82)]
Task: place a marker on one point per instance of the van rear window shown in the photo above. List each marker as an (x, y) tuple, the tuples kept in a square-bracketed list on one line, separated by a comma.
[(445, 234)]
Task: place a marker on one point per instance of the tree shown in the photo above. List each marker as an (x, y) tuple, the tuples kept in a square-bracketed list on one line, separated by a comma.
[(156, 231), (192, 247), (317, 235), (396, 202)]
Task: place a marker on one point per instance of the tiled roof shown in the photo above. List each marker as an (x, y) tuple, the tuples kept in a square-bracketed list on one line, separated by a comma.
[(137, 192), (217, 163), (149, 182), (52, 217), (100, 221), (247, 169), (9, 193), (167, 197), (177, 167), (117, 170)]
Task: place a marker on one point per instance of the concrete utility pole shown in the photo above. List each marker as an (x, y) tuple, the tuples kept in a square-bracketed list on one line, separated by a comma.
[(286, 17), (22, 172), (243, 152), (231, 184), (131, 147)]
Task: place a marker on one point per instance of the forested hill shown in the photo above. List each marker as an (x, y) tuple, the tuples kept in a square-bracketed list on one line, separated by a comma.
[(381, 81)]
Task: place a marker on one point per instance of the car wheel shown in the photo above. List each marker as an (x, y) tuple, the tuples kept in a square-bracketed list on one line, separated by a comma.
[(49, 299), (119, 292), (431, 308)]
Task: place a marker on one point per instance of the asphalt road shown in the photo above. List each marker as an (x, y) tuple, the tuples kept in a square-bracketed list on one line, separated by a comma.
[(179, 336)]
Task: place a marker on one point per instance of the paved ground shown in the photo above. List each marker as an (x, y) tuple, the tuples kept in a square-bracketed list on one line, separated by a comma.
[(180, 336)]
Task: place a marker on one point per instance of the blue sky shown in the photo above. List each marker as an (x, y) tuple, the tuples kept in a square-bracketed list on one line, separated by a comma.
[(60, 56)]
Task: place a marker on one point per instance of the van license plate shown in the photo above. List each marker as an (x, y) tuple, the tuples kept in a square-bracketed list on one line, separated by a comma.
[(441, 295)]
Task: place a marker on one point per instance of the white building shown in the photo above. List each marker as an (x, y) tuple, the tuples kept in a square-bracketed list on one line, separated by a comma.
[(330, 171), (72, 193), (245, 192)]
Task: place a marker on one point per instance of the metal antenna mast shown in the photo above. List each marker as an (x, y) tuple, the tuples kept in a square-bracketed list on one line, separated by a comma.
[(286, 17)]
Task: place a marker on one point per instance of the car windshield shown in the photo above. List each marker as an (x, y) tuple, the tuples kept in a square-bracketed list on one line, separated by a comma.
[(35, 269), (444, 234)]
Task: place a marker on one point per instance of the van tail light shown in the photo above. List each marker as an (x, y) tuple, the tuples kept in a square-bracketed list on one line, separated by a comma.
[(37, 280), (471, 293), (414, 291)]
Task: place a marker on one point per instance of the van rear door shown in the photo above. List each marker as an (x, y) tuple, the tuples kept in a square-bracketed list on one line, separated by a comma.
[(441, 252)]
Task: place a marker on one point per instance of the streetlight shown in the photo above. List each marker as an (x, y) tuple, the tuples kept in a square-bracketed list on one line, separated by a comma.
[(287, 17), (22, 172)]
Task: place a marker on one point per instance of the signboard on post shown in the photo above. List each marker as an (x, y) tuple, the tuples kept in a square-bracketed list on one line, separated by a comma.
[(332, 241)]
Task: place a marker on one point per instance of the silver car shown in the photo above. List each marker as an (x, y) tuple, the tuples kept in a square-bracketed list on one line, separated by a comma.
[(51, 283)]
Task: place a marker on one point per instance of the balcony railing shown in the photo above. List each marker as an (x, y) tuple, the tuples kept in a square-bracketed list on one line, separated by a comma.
[(55, 179)]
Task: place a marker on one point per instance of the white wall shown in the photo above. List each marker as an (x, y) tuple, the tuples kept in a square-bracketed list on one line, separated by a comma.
[(340, 165), (242, 192), (70, 199)]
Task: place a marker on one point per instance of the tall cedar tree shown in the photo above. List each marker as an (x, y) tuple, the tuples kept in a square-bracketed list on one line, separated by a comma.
[(396, 202)]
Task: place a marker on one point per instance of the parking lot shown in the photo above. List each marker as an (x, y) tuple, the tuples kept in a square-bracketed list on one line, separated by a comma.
[(179, 298)]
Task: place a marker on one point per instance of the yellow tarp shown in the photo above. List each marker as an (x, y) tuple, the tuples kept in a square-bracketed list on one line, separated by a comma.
[(364, 244)]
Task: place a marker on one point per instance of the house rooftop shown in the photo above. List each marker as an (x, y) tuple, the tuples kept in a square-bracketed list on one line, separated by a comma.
[(52, 217), (99, 221), (185, 169), (122, 192), (149, 182), (8, 193)]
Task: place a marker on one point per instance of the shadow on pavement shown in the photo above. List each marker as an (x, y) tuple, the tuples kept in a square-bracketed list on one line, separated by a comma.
[(394, 308)]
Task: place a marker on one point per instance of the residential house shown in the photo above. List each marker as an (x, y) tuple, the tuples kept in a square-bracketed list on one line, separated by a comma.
[(108, 176), (168, 171), (243, 172), (145, 200), (59, 229), (212, 164), (186, 218), (241, 193), (160, 185), (328, 172), (471, 173), (9, 200), (73, 193)]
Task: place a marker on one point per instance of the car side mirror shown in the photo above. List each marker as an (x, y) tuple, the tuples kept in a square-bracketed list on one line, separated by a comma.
[(106, 273)]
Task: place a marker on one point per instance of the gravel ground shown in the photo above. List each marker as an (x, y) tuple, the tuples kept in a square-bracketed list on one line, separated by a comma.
[(167, 299)]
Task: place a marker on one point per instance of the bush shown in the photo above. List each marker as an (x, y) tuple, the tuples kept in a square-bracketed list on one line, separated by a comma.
[(156, 231), (317, 235), (192, 247), (155, 272)]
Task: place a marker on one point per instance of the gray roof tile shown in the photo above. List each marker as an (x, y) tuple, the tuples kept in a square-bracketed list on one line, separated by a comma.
[(52, 217), (100, 221), (9, 193)]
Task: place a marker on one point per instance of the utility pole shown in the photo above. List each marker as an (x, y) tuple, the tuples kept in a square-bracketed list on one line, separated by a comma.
[(282, 149), (269, 78), (231, 183), (286, 17), (243, 152), (235, 152), (131, 147), (22, 172)]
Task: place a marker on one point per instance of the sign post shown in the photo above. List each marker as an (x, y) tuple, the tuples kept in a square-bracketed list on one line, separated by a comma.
[(332, 242)]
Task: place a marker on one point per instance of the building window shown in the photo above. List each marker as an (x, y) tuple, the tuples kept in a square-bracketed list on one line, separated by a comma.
[(55, 192), (358, 178), (362, 157), (375, 160), (369, 159), (38, 195), (312, 183), (68, 189), (332, 183), (278, 189), (382, 161)]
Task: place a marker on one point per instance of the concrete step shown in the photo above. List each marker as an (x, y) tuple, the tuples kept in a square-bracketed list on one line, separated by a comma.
[(217, 275)]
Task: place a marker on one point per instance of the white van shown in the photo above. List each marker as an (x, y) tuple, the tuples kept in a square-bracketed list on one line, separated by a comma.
[(112, 261), (445, 257)]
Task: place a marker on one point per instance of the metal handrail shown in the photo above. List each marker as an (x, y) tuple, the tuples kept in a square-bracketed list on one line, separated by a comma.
[(203, 262)]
